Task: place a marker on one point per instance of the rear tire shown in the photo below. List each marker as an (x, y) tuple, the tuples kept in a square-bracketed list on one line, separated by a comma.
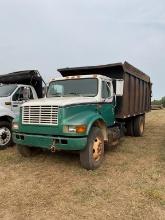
[(5, 135), (130, 127), (92, 156), (139, 123), (27, 151)]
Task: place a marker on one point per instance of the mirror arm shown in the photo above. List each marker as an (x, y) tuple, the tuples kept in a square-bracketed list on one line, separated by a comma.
[(114, 100)]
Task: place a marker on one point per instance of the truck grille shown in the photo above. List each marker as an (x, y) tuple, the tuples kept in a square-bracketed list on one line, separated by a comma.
[(43, 115)]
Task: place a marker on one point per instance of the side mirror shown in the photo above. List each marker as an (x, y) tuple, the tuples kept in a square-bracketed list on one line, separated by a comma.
[(59, 89), (119, 87), (56, 90)]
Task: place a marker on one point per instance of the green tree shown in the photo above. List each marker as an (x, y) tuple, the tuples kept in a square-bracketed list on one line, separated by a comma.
[(159, 102), (163, 101)]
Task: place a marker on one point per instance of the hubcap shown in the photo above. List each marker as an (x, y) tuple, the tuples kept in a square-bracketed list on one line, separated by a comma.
[(97, 149), (5, 136)]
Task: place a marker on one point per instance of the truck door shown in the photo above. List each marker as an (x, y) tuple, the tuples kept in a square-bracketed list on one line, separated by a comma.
[(21, 95), (107, 106)]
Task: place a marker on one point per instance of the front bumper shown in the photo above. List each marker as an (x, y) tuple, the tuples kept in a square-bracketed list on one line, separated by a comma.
[(61, 143)]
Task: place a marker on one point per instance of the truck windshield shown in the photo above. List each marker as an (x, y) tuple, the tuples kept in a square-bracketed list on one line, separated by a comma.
[(7, 90), (73, 87)]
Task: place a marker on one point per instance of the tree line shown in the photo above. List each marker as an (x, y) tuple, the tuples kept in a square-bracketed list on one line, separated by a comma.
[(159, 102)]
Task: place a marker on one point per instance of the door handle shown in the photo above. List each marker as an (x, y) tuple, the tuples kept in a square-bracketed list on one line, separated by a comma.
[(7, 103), (15, 105)]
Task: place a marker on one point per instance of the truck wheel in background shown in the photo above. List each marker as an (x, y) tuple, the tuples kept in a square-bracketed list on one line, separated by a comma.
[(26, 151), (114, 135), (92, 156), (5, 135), (130, 127), (139, 123)]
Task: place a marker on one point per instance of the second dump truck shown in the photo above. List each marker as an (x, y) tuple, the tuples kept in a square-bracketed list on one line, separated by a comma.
[(15, 89), (86, 109)]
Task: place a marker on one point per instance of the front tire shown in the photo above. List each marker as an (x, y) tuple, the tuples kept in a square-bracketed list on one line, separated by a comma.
[(5, 135), (92, 156)]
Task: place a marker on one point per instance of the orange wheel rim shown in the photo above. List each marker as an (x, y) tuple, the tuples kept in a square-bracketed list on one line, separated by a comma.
[(97, 149)]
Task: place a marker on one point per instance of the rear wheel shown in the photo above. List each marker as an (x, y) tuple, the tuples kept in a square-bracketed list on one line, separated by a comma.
[(139, 123), (27, 151), (92, 156), (130, 127), (5, 135)]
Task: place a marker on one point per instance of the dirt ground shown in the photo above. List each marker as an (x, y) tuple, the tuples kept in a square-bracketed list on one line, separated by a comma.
[(129, 185)]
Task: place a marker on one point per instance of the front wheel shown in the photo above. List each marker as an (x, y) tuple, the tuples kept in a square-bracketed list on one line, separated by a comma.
[(92, 156), (5, 134)]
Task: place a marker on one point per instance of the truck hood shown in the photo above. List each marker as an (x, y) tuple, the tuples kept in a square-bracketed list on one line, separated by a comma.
[(60, 101)]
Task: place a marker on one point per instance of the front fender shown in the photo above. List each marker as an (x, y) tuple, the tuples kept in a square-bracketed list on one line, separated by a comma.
[(6, 112), (84, 118)]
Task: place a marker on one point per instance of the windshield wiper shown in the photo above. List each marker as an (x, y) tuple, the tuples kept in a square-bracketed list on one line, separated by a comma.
[(55, 95), (73, 93)]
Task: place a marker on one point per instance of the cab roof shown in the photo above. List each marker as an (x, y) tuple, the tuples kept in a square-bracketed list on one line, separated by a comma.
[(81, 77)]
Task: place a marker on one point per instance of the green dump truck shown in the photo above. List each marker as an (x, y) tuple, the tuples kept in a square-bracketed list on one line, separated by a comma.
[(86, 109)]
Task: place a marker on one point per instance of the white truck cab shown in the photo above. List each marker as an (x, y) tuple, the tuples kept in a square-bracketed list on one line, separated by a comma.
[(12, 96)]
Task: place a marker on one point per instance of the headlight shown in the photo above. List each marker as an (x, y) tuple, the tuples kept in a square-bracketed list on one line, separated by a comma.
[(75, 128), (15, 126)]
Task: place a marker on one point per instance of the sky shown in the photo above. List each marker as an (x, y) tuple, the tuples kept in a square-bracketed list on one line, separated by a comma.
[(51, 34)]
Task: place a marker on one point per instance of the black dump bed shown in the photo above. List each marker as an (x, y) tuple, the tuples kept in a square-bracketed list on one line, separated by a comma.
[(136, 97), (26, 77)]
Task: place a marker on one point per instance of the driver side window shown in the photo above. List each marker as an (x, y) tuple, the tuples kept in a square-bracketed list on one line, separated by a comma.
[(18, 95), (106, 93), (22, 94)]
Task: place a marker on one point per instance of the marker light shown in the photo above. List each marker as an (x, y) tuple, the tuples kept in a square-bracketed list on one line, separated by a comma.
[(15, 126), (75, 128)]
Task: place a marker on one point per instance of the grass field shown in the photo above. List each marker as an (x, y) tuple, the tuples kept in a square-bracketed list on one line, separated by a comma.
[(129, 185)]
